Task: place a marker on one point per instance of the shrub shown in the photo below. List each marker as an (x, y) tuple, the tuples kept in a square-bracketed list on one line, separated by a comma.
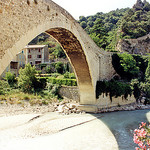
[(27, 78), (68, 82), (69, 75), (10, 78), (59, 67), (4, 86), (125, 65)]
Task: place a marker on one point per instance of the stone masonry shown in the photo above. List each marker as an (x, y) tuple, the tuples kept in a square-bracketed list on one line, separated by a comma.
[(21, 21)]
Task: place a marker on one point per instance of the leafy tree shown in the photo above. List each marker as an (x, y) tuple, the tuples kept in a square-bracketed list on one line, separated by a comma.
[(98, 33), (10, 78), (82, 18), (27, 78), (129, 64), (58, 52), (83, 24)]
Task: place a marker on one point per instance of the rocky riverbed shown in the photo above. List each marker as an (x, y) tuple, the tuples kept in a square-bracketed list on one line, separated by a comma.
[(64, 107)]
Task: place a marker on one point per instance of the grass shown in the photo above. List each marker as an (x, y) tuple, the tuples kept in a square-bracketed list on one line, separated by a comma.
[(14, 96)]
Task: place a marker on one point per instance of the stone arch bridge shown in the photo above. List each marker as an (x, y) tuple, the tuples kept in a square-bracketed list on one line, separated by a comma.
[(21, 21)]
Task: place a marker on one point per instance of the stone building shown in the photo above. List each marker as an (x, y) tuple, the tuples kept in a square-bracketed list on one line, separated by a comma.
[(33, 54), (36, 54), (14, 66)]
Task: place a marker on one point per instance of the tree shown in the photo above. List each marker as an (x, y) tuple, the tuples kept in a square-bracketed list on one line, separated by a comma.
[(58, 52), (82, 18), (83, 24), (129, 64), (10, 77), (98, 33), (27, 78)]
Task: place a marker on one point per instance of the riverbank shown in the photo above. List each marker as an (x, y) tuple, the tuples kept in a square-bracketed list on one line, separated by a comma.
[(129, 107), (65, 107)]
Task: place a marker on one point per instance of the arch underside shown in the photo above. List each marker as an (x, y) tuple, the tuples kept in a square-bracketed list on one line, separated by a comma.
[(76, 55)]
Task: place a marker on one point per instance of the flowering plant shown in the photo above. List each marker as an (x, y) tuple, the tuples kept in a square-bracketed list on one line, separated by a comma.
[(142, 137)]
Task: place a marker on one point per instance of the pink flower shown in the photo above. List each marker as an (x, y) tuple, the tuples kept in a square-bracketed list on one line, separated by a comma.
[(142, 125), (142, 137), (142, 133)]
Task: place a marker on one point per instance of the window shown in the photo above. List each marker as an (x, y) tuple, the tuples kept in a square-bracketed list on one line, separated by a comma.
[(29, 50), (31, 62), (39, 50), (13, 65), (37, 62), (39, 56), (29, 56)]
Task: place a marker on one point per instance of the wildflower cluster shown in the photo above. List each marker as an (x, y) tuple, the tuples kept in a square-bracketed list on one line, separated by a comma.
[(142, 137)]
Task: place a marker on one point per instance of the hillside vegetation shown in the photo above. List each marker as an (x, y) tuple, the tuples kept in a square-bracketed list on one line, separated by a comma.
[(107, 28)]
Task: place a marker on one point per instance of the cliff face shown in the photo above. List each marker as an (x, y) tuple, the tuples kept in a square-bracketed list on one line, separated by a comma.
[(135, 46)]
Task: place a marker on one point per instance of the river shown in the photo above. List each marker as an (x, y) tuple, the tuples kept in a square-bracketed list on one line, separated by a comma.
[(107, 131)]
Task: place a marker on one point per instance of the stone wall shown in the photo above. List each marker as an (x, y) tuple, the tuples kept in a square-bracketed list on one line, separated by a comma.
[(102, 102), (135, 46), (70, 92)]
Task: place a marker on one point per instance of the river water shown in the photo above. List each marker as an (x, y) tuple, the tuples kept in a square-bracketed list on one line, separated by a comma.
[(122, 125)]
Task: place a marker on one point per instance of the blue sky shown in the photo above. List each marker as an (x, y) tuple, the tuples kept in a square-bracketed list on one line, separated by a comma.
[(90, 7)]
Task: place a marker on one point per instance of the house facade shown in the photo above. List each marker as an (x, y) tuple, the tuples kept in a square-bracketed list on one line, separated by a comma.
[(33, 54), (36, 54)]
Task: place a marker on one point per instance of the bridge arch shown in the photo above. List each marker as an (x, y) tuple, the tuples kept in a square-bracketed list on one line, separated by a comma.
[(22, 21)]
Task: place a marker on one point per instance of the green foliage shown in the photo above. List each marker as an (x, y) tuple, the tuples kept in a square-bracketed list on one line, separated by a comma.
[(27, 78), (135, 22), (69, 75), (147, 73), (49, 69), (10, 78), (59, 67), (68, 82), (129, 64), (113, 88), (125, 65), (115, 25), (98, 33), (53, 89), (103, 27), (58, 52), (83, 24), (4, 87), (142, 63), (135, 85)]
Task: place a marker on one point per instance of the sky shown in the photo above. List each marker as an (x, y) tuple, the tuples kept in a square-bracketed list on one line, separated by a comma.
[(90, 7)]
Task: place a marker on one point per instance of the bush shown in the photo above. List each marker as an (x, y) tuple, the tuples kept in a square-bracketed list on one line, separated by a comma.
[(59, 67), (4, 86), (69, 75), (68, 82), (27, 78), (125, 65), (10, 77)]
